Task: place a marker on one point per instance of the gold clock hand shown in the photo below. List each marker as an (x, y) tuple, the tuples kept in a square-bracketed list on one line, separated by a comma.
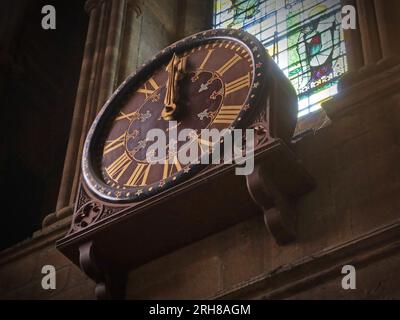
[(169, 100), (175, 68)]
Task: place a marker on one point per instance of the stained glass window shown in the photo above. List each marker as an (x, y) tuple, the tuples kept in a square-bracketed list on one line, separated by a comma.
[(304, 37)]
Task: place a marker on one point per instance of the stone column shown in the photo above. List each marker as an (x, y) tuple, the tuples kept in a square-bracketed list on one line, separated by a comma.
[(98, 79), (112, 52), (379, 22), (194, 16), (369, 31), (354, 52), (82, 95), (388, 21)]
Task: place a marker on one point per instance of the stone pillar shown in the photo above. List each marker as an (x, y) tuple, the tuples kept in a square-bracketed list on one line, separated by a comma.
[(194, 16), (78, 118), (113, 43), (130, 40), (98, 79), (388, 21), (369, 31), (379, 24), (353, 44)]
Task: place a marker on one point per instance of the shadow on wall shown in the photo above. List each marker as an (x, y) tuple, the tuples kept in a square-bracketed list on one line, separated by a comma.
[(37, 87)]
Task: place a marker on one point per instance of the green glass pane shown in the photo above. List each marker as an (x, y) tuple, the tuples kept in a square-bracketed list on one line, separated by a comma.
[(303, 37)]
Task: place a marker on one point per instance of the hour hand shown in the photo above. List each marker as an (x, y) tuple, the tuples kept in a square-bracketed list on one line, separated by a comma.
[(175, 68)]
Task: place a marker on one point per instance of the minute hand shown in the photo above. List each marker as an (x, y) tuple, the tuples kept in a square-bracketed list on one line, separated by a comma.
[(169, 100), (174, 68)]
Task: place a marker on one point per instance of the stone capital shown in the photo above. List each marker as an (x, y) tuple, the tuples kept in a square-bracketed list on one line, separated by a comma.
[(91, 4), (137, 6)]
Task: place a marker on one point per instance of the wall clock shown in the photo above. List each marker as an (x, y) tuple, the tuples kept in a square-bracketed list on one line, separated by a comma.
[(129, 211), (216, 79)]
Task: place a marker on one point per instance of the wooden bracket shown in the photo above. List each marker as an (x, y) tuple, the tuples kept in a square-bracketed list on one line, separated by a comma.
[(277, 181), (280, 218), (109, 285)]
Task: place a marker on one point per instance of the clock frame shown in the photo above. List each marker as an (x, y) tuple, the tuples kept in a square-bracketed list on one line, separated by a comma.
[(243, 46)]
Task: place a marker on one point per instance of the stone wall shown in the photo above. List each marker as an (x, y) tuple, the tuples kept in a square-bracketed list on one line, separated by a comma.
[(21, 266), (351, 217)]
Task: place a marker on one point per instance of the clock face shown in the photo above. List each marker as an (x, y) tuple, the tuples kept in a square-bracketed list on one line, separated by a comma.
[(213, 89)]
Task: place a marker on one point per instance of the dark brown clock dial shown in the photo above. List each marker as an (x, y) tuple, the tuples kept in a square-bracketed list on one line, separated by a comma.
[(217, 88)]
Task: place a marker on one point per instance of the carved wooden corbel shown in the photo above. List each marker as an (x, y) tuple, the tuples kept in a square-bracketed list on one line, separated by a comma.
[(269, 188), (109, 285), (280, 218)]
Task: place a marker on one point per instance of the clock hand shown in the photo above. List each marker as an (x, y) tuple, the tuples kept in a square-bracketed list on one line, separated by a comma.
[(169, 100), (175, 69)]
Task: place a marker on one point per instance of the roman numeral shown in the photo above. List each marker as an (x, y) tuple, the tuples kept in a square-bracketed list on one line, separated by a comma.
[(227, 114), (206, 58), (149, 87), (229, 64), (237, 84), (203, 142), (206, 145), (141, 172), (168, 168), (118, 167), (111, 145), (128, 116)]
